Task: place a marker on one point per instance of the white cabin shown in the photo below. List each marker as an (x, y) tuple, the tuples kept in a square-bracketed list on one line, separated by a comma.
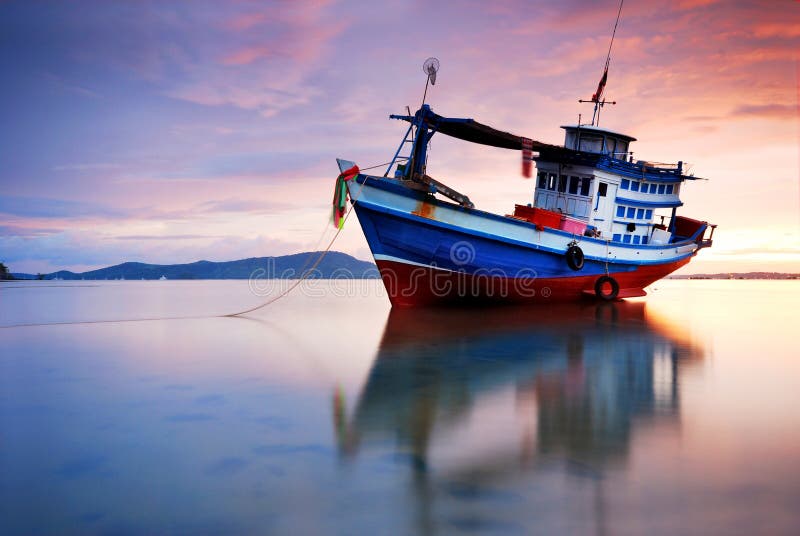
[(614, 196)]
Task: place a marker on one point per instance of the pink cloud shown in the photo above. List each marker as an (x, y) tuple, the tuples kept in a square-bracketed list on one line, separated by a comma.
[(694, 4), (767, 111), (246, 21), (247, 55), (778, 29)]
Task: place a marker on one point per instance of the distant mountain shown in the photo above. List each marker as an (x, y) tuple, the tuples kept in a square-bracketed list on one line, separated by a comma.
[(334, 265)]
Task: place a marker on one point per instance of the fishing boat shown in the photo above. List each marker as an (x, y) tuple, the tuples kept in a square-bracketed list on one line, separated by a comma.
[(599, 225)]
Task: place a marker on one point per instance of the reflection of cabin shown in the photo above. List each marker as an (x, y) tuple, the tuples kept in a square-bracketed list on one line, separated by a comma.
[(591, 373), (613, 195)]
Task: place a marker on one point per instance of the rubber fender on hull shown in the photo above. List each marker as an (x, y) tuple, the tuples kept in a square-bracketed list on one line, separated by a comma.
[(574, 257), (602, 290)]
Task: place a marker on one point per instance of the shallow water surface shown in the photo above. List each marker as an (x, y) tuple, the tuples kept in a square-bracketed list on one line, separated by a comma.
[(328, 412)]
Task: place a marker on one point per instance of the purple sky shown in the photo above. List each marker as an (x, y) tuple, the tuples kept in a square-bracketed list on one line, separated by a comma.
[(177, 131)]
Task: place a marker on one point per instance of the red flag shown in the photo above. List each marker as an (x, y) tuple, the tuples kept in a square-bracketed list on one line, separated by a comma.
[(600, 87), (527, 156)]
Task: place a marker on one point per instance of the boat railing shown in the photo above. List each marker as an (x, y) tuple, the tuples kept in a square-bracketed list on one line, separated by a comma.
[(690, 230), (642, 169), (707, 241)]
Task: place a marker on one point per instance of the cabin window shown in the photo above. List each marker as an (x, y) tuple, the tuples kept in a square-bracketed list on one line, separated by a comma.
[(626, 239), (631, 212), (640, 214), (611, 146), (636, 239), (562, 183), (574, 183), (592, 144), (585, 184), (617, 237), (644, 239), (625, 184), (634, 186), (648, 214), (542, 179), (661, 188), (620, 212), (602, 189), (669, 189), (653, 188)]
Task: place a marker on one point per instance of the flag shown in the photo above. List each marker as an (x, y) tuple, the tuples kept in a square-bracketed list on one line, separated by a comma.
[(340, 195), (600, 87), (527, 156)]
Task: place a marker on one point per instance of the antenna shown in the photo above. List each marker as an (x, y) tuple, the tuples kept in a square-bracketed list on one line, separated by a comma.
[(430, 67), (598, 99)]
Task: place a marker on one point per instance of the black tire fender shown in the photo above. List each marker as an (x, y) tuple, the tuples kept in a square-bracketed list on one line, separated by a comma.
[(599, 288), (574, 256)]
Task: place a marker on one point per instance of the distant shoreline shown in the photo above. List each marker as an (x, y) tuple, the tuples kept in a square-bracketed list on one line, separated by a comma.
[(777, 276), (706, 277)]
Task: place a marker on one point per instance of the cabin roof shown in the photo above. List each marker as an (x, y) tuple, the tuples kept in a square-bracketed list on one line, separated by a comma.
[(598, 130)]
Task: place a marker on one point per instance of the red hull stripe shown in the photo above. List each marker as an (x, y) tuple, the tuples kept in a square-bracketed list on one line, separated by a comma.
[(408, 285)]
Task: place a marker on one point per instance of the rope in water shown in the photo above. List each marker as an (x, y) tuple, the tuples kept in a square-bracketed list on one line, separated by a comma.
[(310, 271), (305, 274)]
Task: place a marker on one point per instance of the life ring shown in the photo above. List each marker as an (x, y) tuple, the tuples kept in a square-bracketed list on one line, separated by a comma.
[(574, 257), (600, 288)]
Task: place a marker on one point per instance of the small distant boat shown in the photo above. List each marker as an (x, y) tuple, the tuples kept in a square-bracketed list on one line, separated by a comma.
[(162, 278), (599, 224)]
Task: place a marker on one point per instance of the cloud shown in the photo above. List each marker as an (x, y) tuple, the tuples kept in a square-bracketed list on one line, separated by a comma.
[(26, 231), (245, 21), (70, 87), (267, 101), (42, 207), (769, 111), (89, 166), (256, 206), (221, 120), (247, 55), (165, 237), (777, 29), (694, 4), (267, 67)]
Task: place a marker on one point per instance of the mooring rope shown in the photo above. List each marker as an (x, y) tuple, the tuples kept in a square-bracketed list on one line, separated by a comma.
[(310, 271), (304, 276), (113, 321)]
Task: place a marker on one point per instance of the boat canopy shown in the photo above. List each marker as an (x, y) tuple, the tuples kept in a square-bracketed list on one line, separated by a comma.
[(469, 130), (427, 123)]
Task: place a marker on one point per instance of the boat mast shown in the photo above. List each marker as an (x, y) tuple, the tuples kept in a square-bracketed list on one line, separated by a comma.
[(598, 99)]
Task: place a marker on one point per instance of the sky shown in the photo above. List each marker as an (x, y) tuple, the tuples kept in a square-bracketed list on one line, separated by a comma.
[(170, 132)]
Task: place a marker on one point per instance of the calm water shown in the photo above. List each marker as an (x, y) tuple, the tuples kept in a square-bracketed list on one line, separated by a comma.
[(328, 413)]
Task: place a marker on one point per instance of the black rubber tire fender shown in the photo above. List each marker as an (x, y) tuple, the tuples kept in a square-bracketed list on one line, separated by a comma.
[(574, 257), (599, 286)]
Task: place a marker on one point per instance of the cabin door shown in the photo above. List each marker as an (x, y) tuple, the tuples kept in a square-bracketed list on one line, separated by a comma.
[(603, 214)]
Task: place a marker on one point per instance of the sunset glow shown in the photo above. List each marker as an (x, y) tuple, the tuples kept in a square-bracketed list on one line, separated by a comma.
[(170, 132)]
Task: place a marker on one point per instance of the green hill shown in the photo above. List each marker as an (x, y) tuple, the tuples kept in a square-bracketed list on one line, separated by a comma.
[(334, 265)]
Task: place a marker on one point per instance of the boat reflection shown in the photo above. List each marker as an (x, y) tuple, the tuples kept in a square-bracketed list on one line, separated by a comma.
[(483, 393)]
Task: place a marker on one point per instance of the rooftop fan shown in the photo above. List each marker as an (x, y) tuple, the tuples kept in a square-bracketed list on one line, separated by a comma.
[(431, 67)]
